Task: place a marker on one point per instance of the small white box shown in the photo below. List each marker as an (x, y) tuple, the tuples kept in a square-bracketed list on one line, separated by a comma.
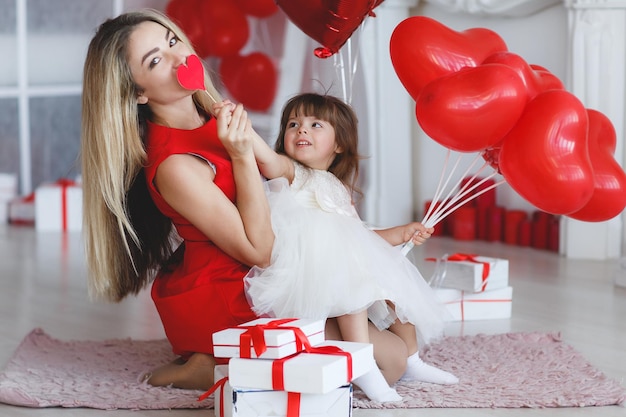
[(59, 207), (280, 341), (486, 305), (481, 273), (241, 402), (22, 210), (311, 373)]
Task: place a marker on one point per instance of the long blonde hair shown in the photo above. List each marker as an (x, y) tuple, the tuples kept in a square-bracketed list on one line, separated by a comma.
[(123, 251)]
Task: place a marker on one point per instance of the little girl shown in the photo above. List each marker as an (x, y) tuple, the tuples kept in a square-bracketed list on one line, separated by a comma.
[(325, 261)]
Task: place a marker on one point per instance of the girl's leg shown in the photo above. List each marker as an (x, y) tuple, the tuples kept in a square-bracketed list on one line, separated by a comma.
[(389, 350), (195, 373), (354, 328), (416, 369)]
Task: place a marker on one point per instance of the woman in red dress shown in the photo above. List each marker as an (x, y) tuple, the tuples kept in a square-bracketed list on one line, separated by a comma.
[(162, 165)]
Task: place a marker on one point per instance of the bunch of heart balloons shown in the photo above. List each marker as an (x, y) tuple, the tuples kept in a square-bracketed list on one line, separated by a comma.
[(473, 95), (220, 28)]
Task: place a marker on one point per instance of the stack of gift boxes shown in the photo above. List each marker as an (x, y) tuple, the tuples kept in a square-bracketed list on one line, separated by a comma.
[(285, 367), (482, 219), (472, 287)]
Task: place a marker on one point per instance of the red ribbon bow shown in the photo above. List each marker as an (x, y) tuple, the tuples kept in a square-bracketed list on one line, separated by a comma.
[(255, 336), (469, 258), (472, 258)]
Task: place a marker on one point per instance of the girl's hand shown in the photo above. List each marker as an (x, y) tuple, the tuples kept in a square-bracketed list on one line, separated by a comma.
[(234, 128), (417, 233)]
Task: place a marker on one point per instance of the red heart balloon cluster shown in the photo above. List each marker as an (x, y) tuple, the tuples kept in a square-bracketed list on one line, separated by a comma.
[(473, 95), (329, 22)]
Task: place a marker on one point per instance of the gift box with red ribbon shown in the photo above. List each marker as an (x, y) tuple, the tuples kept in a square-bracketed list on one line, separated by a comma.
[(471, 273), (318, 370), (59, 206), (8, 191), (22, 210), (245, 402), (268, 338), (486, 305)]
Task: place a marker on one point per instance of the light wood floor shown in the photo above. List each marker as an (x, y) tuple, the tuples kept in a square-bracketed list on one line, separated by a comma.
[(43, 284)]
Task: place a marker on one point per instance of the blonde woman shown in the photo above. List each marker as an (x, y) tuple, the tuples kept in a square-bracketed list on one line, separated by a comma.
[(159, 161)]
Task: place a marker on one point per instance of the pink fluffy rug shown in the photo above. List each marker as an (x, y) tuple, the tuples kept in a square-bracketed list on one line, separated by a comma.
[(507, 370)]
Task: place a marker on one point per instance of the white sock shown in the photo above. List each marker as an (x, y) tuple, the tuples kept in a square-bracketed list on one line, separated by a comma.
[(374, 385), (417, 370)]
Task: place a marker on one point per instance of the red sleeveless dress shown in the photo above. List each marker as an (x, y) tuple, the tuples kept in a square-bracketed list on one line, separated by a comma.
[(205, 292)]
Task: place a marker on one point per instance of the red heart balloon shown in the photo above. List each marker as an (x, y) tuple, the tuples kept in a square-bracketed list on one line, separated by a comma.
[(609, 193), (188, 15), (257, 8), (191, 75), (422, 49), (473, 108), (251, 79), (226, 28), (536, 80), (545, 156), (329, 22)]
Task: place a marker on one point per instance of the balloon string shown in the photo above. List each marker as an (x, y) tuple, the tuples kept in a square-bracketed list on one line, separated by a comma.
[(437, 212), (342, 68), (463, 189), (443, 215), (439, 189)]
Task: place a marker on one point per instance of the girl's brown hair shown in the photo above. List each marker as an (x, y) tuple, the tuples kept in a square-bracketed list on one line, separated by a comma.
[(340, 115)]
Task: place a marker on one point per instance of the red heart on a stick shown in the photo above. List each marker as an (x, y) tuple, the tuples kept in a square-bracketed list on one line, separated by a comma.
[(422, 49), (191, 75)]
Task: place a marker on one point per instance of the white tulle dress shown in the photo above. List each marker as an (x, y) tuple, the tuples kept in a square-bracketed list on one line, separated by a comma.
[(326, 262)]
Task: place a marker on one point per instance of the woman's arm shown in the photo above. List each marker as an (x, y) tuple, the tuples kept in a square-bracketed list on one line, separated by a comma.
[(186, 182)]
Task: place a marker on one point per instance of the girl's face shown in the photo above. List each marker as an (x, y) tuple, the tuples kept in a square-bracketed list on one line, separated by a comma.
[(154, 54), (310, 141)]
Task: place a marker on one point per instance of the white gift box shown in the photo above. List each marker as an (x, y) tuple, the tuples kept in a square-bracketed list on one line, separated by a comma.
[(8, 187), (242, 402), (473, 274), (280, 339), (486, 305), (311, 373), (59, 207), (22, 210)]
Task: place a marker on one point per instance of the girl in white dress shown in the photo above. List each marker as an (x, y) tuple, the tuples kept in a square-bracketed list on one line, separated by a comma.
[(325, 261)]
